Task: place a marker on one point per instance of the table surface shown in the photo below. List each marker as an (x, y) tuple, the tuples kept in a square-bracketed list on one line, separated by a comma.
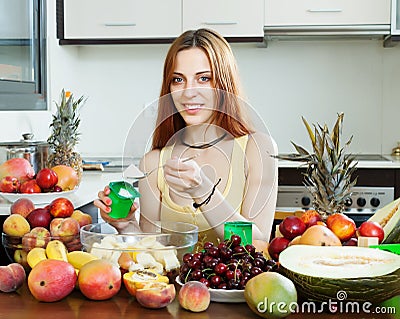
[(22, 305)]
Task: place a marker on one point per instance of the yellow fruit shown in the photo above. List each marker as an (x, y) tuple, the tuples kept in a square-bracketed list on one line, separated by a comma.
[(79, 258), (56, 249), (36, 255)]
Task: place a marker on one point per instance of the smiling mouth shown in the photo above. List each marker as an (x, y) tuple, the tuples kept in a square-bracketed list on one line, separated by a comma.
[(192, 106)]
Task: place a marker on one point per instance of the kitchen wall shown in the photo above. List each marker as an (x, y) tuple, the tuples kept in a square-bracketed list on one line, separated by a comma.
[(286, 80)]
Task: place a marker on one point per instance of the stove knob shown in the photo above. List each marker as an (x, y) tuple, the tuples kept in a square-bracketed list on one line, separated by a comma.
[(305, 201), (348, 202), (361, 201), (375, 202)]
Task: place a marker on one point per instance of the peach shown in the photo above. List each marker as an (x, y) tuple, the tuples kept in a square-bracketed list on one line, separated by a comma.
[(51, 280), (16, 225), (194, 296), (65, 229), (18, 167), (68, 178), (61, 207), (37, 237), (311, 217), (155, 295), (12, 277), (342, 226), (22, 206), (82, 218), (99, 279), (9, 184)]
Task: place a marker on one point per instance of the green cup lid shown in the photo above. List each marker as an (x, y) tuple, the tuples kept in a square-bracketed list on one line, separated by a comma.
[(124, 190)]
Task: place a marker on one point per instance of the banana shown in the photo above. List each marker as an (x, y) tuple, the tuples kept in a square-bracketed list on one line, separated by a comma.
[(35, 255), (56, 249), (79, 258)]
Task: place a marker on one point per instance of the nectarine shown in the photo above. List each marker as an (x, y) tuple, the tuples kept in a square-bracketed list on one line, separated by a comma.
[(194, 296)]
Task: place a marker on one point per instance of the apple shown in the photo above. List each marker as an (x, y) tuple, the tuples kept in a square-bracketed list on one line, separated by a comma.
[(99, 279), (12, 277), (67, 177), (82, 218), (342, 226), (22, 206), (52, 280), (16, 225), (276, 246), (371, 229), (39, 217), (291, 227), (30, 187), (65, 229), (46, 178), (37, 237), (194, 296), (61, 207), (9, 184)]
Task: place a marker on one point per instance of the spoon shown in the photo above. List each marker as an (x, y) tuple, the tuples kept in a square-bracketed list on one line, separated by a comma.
[(132, 172)]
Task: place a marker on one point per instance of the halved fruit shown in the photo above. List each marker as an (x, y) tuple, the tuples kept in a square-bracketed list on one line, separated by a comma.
[(135, 280)]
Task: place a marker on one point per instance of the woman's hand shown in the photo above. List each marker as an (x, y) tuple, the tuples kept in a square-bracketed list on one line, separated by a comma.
[(186, 177), (103, 203)]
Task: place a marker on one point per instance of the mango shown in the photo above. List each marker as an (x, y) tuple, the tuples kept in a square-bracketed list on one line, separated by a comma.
[(20, 168)]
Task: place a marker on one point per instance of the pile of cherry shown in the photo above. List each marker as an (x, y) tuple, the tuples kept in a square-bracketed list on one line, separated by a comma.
[(228, 265)]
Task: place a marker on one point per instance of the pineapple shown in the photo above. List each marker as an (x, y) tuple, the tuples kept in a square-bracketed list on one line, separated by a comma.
[(329, 172), (65, 135)]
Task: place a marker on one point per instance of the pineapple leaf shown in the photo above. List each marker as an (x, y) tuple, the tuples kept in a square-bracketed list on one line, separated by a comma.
[(309, 130)]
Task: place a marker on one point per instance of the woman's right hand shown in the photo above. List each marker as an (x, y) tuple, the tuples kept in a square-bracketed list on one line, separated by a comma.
[(104, 202)]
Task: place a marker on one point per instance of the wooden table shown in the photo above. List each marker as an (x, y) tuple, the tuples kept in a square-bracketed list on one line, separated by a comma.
[(22, 305)]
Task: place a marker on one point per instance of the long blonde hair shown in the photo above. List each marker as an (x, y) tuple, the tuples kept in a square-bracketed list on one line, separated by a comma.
[(230, 115)]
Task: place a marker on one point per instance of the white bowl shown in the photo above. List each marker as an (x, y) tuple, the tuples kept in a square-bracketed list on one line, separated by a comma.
[(222, 295), (38, 198)]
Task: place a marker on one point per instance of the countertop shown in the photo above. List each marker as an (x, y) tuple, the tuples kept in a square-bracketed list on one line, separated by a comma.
[(22, 305), (91, 183)]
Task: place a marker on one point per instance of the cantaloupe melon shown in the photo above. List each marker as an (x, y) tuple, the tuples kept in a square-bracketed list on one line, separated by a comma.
[(363, 274)]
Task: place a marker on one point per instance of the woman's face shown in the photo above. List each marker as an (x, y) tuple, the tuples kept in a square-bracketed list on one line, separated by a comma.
[(191, 86)]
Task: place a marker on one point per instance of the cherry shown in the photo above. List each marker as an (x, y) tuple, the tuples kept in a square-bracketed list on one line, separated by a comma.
[(215, 280), (187, 257), (208, 245), (220, 269), (205, 281), (235, 240)]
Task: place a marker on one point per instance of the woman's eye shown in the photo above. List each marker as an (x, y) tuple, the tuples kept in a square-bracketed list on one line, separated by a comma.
[(177, 80), (205, 78)]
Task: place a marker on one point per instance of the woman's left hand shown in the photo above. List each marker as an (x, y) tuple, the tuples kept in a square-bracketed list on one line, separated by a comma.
[(186, 177)]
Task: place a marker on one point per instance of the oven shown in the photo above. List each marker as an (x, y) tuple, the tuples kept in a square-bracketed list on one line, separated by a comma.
[(378, 184)]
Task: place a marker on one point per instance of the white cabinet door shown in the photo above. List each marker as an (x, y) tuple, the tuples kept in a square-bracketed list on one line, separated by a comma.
[(326, 12), (395, 26), (15, 19), (231, 18), (117, 19)]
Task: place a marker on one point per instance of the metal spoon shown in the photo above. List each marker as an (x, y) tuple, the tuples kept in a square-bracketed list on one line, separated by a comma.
[(132, 172)]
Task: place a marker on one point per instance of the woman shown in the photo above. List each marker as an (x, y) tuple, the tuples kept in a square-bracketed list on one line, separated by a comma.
[(212, 166)]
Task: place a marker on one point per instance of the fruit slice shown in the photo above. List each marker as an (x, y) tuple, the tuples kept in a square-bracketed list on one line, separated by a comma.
[(134, 280), (320, 273), (56, 249), (389, 218), (35, 256), (79, 258)]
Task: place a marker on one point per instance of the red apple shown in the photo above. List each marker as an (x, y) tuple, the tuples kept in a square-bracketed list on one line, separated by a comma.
[(9, 184), (291, 227), (46, 178), (30, 187), (371, 229), (61, 207), (52, 280), (22, 206), (37, 237), (276, 246), (39, 217), (66, 229)]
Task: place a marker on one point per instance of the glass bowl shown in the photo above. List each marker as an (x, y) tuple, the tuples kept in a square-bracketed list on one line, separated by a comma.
[(18, 247), (162, 246)]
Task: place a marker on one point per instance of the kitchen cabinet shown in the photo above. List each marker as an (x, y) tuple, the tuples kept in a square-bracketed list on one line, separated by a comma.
[(231, 18), (119, 19), (15, 21), (134, 21), (395, 26)]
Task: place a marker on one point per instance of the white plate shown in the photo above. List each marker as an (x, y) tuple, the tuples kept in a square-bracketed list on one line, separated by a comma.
[(38, 198), (222, 295)]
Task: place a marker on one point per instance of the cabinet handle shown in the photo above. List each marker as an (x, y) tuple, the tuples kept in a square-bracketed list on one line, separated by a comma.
[(220, 23), (324, 10), (120, 24)]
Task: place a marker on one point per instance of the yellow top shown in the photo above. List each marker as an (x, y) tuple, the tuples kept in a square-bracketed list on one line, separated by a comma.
[(233, 192)]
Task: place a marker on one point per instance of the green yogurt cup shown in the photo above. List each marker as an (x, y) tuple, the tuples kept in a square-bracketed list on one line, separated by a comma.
[(122, 195), (243, 229)]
